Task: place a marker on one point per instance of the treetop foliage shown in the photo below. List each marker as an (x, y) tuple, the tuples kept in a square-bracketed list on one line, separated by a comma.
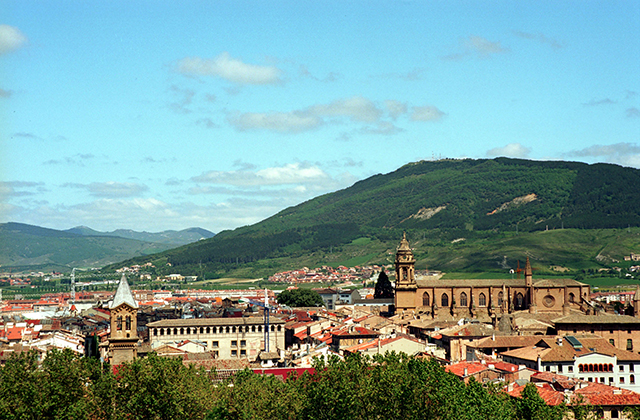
[(384, 288), (393, 386), (300, 298)]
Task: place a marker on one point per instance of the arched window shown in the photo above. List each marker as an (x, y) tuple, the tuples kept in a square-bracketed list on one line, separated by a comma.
[(500, 298), (629, 344), (444, 300), (615, 414), (273, 328), (519, 300), (632, 379), (127, 323), (259, 328), (253, 328), (201, 330), (181, 331), (572, 297), (119, 323), (463, 299), (233, 329), (482, 300), (425, 299), (208, 330), (175, 331)]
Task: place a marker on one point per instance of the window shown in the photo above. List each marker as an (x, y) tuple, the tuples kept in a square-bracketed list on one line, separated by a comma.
[(243, 343), (621, 368), (629, 344), (279, 327), (444, 300), (208, 330), (630, 368), (234, 343), (128, 323), (500, 298), (482, 300), (615, 414), (234, 353), (243, 353), (425, 299), (214, 344), (215, 354), (612, 341), (548, 369), (463, 299), (632, 379), (519, 300), (572, 297), (602, 380), (622, 379), (119, 323), (570, 368)]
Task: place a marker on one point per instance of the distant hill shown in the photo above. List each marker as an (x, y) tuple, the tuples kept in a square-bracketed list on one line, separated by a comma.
[(448, 208), (23, 246), (172, 237)]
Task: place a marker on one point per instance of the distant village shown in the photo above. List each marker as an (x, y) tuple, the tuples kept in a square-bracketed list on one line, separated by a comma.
[(557, 334)]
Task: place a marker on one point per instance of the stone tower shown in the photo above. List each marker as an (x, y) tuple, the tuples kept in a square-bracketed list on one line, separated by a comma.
[(123, 338), (405, 276)]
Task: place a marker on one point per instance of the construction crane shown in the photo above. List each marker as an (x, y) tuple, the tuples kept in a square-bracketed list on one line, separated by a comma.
[(267, 308)]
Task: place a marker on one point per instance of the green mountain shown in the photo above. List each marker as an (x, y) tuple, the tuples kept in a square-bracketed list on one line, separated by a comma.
[(171, 237), (454, 211), (27, 247)]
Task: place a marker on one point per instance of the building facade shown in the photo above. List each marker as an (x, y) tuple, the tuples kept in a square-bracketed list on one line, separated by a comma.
[(483, 298), (227, 338)]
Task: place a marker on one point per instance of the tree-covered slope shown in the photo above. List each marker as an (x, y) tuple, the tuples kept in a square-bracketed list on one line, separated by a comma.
[(24, 245), (445, 199)]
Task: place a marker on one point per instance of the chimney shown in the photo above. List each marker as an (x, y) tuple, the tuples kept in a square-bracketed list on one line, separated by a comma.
[(559, 341), (466, 372)]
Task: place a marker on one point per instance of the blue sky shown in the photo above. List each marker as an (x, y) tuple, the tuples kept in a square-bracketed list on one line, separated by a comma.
[(154, 115)]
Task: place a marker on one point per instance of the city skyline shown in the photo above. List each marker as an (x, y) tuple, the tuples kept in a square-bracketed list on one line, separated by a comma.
[(164, 115)]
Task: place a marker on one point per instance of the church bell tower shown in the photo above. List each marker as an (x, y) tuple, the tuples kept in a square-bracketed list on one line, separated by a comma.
[(123, 339), (405, 276)]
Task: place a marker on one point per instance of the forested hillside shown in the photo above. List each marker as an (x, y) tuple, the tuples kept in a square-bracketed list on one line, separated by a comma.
[(440, 200)]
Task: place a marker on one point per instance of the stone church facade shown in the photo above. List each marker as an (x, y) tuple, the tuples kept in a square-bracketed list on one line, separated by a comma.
[(482, 298)]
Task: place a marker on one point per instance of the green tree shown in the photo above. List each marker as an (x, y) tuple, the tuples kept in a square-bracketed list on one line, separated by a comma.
[(300, 298), (383, 289)]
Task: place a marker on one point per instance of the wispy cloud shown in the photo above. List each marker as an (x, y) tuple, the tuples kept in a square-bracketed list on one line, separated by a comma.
[(426, 113), (77, 159), (515, 150), (293, 173), (598, 102), (283, 122), (541, 38), (633, 112), (626, 154), (228, 68), (5, 93), (182, 99), (356, 109), (478, 47), (11, 39), (20, 188), (303, 71), (111, 189)]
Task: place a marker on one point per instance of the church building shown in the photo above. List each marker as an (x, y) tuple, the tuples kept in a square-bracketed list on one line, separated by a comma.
[(123, 338), (482, 298)]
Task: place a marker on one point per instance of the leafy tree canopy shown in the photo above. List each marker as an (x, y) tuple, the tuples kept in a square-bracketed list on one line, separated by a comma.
[(300, 298)]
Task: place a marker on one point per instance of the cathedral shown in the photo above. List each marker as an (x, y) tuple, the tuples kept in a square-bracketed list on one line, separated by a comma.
[(480, 298)]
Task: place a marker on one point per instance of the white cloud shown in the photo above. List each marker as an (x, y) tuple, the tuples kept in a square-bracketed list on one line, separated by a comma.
[(283, 122), (293, 173), (231, 69), (426, 113), (356, 108), (395, 108), (515, 150), (111, 189), (626, 154), (11, 39)]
